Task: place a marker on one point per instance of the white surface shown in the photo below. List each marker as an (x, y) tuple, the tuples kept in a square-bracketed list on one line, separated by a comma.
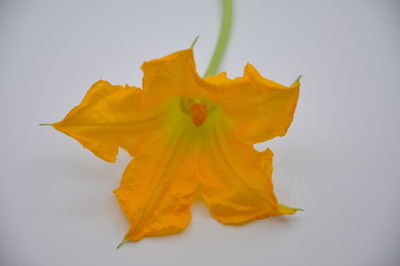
[(339, 161)]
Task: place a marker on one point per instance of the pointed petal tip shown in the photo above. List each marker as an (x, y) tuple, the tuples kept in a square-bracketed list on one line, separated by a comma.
[(297, 81), (288, 210), (121, 244), (194, 41), (248, 67)]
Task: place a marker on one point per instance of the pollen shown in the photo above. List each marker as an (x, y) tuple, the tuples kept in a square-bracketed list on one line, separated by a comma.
[(199, 113)]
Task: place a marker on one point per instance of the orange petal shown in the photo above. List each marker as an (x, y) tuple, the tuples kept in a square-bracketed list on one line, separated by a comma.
[(157, 188), (235, 180), (172, 74), (261, 109), (114, 116)]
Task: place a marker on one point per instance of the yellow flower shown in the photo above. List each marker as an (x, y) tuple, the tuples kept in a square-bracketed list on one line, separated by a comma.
[(187, 134)]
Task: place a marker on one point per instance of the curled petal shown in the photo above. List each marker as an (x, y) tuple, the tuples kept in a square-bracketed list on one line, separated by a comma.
[(174, 74), (114, 116), (235, 180), (157, 188), (260, 108)]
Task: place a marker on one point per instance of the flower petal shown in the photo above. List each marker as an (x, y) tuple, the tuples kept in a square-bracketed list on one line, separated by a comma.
[(172, 74), (157, 188), (261, 109), (235, 180), (114, 116)]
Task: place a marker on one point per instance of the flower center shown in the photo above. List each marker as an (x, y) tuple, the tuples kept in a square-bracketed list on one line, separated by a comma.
[(199, 113)]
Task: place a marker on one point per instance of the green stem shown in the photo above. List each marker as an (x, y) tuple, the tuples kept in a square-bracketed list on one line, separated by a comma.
[(45, 124), (223, 38)]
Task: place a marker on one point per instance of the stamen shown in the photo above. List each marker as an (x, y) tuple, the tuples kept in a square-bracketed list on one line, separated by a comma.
[(199, 113)]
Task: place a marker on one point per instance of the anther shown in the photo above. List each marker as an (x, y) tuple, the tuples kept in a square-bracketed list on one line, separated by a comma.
[(199, 113)]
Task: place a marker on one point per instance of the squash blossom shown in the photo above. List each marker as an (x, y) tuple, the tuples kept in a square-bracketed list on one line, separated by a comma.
[(187, 134)]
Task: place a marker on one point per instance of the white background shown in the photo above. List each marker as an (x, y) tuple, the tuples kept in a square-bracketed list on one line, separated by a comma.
[(339, 161)]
